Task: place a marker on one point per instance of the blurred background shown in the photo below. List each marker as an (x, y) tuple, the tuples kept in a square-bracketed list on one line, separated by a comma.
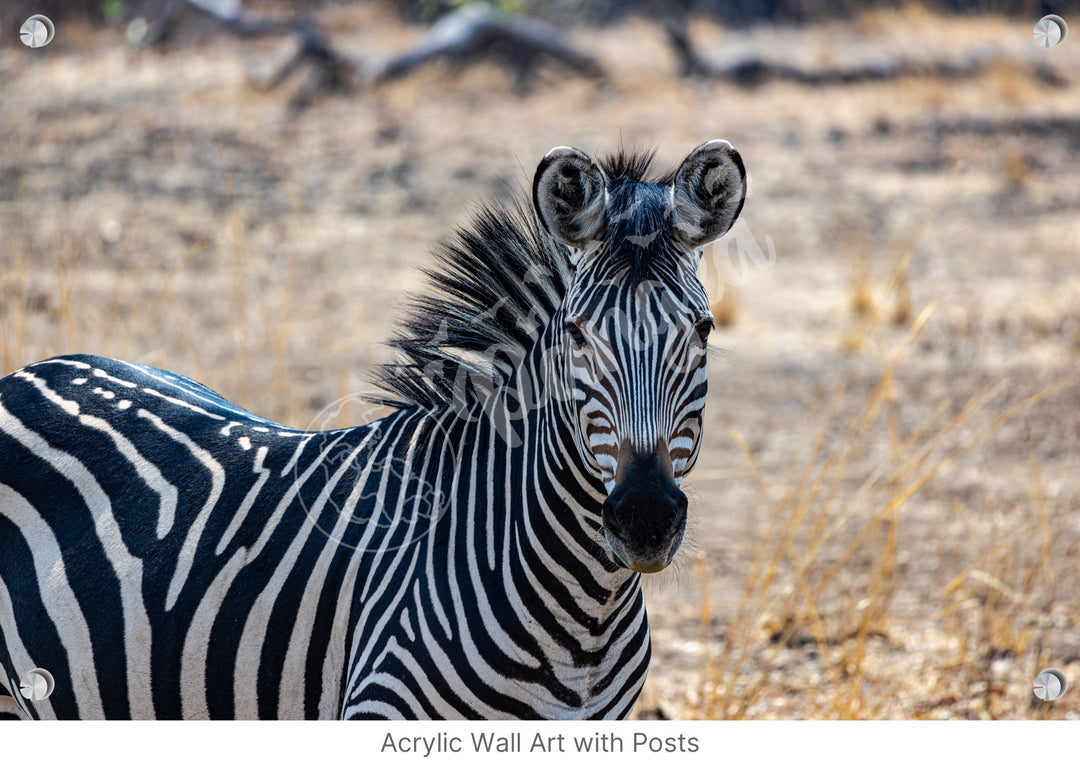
[(885, 514)]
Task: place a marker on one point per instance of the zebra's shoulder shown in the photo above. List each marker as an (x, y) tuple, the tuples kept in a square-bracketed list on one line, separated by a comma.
[(73, 378)]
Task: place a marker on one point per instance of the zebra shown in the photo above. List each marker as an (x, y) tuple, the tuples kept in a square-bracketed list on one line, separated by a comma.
[(475, 553)]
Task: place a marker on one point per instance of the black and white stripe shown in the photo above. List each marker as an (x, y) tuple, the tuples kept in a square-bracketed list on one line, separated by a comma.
[(475, 554)]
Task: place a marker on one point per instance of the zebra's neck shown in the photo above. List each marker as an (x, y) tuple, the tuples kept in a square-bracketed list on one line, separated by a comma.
[(521, 576)]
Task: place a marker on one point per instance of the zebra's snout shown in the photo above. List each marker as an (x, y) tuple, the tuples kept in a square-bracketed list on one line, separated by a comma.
[(644, 517)]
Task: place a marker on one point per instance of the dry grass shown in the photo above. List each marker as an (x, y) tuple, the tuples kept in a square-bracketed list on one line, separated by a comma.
[(814, 627), (833, 522)]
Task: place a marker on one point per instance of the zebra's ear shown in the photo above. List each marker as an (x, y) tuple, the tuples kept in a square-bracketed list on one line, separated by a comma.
[(570, 194), (708, 193)]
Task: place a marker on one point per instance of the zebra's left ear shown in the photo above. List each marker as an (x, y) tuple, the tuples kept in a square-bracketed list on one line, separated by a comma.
[(708, 193), (570, 194)]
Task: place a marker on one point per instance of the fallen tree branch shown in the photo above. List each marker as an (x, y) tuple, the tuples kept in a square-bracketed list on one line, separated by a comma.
[(474, 32), (479, 31), (753, 71), (330, 70)]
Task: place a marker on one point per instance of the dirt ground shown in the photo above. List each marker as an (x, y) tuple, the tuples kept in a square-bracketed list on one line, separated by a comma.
[(885, 515)]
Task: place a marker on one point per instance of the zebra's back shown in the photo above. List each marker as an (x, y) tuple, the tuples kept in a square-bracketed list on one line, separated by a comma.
[(143, 518)]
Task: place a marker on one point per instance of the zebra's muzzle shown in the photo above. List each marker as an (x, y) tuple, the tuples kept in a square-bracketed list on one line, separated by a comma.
[(644, 517)]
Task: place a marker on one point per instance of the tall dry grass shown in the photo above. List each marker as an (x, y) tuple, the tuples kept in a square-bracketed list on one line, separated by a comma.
[(816, 632), (217, 310)]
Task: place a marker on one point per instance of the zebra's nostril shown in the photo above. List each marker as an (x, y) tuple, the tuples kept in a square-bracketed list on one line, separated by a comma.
[(678, 522), (611, 524)]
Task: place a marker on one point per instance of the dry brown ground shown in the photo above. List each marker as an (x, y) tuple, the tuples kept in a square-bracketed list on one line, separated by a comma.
[(874, 536)]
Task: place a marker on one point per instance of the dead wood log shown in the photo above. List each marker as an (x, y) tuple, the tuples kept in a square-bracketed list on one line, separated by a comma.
[(329, 70), (474, 32), (479, 31), (753, 71)]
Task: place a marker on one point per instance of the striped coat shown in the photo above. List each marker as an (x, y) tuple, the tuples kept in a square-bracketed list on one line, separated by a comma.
[(476, 553)]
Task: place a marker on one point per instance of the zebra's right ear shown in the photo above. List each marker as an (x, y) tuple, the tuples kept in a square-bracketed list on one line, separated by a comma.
[(708, 193), (570, 194)]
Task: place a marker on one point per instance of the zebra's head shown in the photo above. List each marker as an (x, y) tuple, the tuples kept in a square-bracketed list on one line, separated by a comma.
[(635, 323)]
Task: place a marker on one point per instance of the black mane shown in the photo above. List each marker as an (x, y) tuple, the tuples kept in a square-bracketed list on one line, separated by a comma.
[(626, 165), (495, 285)]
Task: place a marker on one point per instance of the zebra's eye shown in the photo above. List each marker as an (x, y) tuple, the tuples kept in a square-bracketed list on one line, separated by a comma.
[(575, 334), (704, 327)]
